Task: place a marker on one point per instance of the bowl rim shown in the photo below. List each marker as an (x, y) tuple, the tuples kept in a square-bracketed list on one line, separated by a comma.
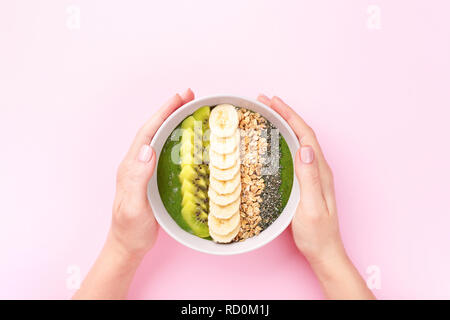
[(164, 132)]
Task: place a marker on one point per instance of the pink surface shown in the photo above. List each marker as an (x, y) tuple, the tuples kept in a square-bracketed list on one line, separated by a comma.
[(72, 99)]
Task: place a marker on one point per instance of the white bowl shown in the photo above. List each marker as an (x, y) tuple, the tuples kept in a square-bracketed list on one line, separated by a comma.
[(208, 246)]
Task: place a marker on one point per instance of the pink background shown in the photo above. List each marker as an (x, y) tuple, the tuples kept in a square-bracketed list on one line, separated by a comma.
[(72, 100)]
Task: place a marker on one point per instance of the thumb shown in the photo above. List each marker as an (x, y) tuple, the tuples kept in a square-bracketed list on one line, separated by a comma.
[(307, 172), (147, 162)]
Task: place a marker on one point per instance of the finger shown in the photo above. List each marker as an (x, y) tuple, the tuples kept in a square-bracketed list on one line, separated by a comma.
[(147, 131), (187, 96), (133, 175), (147, 157), (299, 126), (308, 175), (307, 137), (145, 166), (325, 174), (264, 99)]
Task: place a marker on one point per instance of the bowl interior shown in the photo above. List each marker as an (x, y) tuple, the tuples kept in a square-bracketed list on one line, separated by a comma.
[(208, 246)]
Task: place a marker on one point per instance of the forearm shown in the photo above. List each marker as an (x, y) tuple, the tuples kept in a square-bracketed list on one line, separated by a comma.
[(111, 275), (341, 280)]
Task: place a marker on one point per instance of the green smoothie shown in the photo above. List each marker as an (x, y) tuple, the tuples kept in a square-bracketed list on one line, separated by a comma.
[(169, 185)]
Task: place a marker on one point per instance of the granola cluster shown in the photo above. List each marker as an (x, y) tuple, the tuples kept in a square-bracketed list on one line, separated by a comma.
[(253, 147)]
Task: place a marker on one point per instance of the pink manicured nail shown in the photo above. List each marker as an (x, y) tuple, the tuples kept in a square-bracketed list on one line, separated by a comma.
[(306, 154), (145, 154)]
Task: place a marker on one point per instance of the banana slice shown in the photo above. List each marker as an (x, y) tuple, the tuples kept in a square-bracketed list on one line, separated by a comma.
[(225, 238), (223, 161), (224, 212), (224, 199), (225, 174), (223, 120), (223, 226), (225, 145), (224, 187), (225, 177)]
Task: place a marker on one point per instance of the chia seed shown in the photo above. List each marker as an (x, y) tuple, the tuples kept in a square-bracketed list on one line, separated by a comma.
[(271, 205)]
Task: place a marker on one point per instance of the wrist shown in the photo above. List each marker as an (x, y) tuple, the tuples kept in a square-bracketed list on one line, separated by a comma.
[(339, 278), (120, 254), (112, 273), (331, 263)]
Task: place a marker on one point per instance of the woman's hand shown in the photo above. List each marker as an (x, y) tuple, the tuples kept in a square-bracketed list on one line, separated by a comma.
[(133, 229), (315, 225)]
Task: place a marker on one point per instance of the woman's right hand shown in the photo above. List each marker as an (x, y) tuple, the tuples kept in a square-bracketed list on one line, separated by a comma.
[(315, 225)]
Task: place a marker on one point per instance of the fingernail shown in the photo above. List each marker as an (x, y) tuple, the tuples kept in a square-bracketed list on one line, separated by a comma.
[(145, 154), (306, 154)]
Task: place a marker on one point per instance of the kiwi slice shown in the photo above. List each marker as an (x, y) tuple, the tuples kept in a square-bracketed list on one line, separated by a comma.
[(188, 123), (196, 218), (202, 170), (194, 174), (188, 173), (187, 137), (187, 186), (202, 114)]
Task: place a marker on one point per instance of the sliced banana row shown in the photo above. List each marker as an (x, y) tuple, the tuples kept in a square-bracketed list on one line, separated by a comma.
[(225, 178)]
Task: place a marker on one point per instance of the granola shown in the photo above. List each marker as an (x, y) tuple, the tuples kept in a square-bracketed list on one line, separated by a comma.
[(253, 146)]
